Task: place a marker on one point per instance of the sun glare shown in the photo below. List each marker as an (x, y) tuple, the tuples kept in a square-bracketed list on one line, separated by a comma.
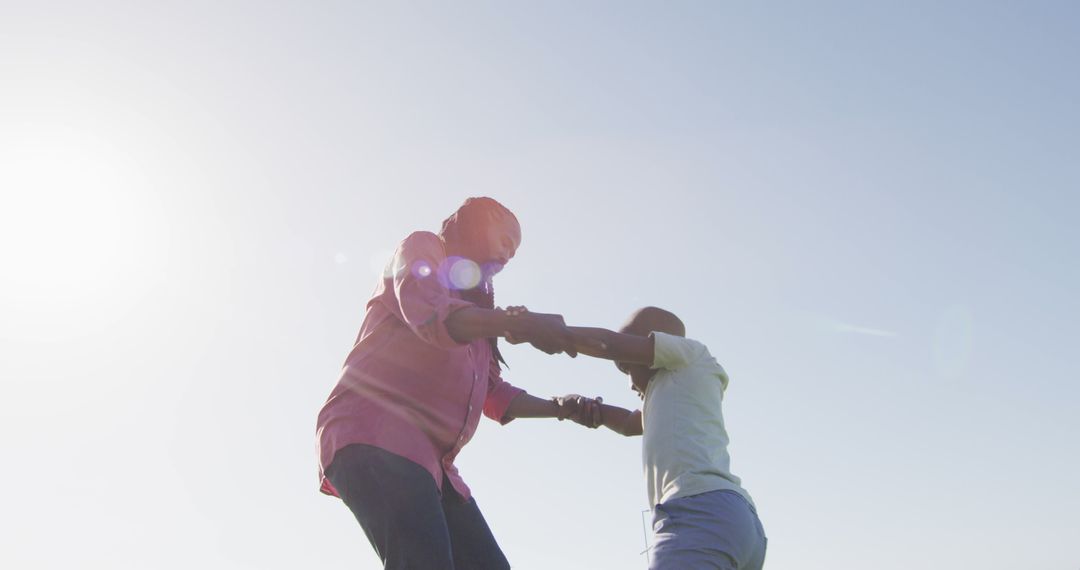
[(72, 235), (464, 274)]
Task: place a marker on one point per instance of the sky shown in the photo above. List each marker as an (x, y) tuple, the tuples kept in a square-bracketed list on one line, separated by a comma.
[(865, 209)]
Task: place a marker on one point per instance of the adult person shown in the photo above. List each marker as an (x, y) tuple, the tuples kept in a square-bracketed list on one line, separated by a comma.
[(425, 364)]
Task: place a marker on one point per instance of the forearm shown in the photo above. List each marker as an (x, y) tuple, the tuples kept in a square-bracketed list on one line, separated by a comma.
[(621, 420), (529, 406), (474, 322), (610, 345), (547, 332)]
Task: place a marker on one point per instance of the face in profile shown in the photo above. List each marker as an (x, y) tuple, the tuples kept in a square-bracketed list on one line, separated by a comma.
[(639, 375), (484, 231), (499, 242)]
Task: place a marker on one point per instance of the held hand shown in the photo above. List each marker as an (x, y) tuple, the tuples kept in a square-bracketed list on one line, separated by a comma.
[(583, 344), (547, 332), (514, 311), (551, 332), (581, 410)]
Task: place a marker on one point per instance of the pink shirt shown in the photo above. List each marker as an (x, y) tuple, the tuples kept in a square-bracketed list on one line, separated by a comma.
[(407, 386)]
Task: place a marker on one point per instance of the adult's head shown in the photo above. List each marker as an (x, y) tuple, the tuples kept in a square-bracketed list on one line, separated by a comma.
[(483, 230)]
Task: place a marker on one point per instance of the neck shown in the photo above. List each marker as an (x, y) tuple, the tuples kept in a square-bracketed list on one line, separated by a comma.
[(454, 249)]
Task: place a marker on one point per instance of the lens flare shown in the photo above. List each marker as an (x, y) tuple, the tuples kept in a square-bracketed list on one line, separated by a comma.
[(464, 274), (421, 269)]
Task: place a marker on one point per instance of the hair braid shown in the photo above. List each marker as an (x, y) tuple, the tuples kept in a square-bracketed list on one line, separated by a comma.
[(483, 296)]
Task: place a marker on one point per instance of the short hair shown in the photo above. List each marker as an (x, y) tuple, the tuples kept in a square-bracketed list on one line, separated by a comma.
[(649, 319)]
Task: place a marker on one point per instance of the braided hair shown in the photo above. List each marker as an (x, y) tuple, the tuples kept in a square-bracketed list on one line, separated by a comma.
[(468, 225)]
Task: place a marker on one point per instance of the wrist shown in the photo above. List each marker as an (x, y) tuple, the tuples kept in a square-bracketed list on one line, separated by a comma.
[(515, 323), (559, 410)]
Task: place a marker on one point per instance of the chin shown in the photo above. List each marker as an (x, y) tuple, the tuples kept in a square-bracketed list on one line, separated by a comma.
[(491, 268)]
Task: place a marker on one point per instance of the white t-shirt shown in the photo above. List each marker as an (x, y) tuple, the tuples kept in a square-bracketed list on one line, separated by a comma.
[(684, 445)]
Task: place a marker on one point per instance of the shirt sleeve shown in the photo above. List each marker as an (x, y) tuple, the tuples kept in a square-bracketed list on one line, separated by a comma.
[(674, 352), (423, 299), (499, 395)]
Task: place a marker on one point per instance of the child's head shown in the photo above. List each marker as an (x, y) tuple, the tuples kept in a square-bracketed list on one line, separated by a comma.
[(641, 323), (653, 319)]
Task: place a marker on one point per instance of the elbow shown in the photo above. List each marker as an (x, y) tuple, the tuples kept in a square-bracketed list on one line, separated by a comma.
[(439, 337), (442, 328), (456, 332), (461, 326)]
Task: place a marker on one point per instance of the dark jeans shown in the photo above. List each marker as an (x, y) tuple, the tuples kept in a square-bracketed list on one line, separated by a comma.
[(411, 525)]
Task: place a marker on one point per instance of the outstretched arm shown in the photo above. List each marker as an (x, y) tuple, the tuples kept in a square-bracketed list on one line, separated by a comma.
[(546, 332), (621, 420), (529, 406), (592, 341), (610, 345), (585, 411), (439, 318), (594, 413)]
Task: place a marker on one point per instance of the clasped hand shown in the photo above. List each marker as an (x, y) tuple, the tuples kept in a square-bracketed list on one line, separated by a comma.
[(580, 409), (546, 332)]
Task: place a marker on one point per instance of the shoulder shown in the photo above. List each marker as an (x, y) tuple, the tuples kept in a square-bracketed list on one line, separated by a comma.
[(422, 244), (422, 252), (673, 352), (423, 239)]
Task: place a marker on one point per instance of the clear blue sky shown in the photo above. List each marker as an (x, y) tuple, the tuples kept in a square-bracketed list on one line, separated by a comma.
[(868, 212)]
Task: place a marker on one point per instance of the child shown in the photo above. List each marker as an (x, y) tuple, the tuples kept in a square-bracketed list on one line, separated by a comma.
[(702, 517)]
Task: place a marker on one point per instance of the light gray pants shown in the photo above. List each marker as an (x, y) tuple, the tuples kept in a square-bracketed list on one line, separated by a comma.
[(716, 530)]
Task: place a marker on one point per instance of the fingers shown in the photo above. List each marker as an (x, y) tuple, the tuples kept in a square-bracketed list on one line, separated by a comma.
[(546, 347), (584, 413), (545, 332), (570, 407), (590, 413), (561, 414), (516, 310), (581, 410)]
